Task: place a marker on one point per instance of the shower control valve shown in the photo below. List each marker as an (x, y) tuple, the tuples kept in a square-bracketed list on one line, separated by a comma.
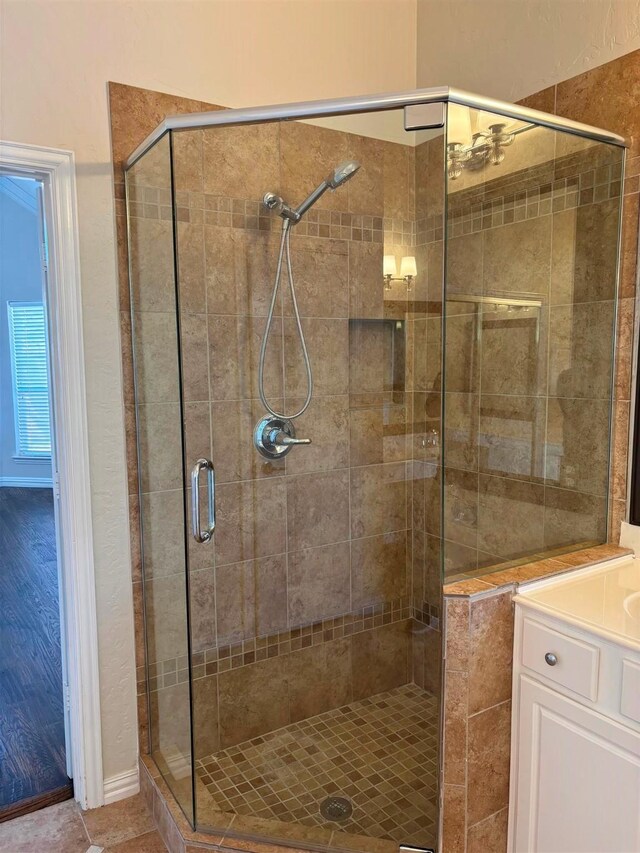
[(274, 437)]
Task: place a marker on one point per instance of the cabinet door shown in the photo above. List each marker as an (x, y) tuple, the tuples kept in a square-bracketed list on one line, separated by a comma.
[(578, 778)]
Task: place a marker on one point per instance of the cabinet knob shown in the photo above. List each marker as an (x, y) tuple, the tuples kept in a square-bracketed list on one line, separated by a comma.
[(551, 659)]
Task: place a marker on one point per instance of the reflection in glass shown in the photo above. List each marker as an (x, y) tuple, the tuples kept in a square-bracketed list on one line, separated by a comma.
[(530, 312)]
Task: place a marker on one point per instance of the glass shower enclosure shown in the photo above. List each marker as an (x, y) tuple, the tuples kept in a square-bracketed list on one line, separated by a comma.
[(457, 299)]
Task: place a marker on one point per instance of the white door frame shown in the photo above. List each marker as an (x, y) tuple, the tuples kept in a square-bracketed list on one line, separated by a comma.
[(56, 169)]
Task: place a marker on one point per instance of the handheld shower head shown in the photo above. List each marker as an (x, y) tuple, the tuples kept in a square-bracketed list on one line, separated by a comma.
[(339, 176), (290, 217), (342, 173)]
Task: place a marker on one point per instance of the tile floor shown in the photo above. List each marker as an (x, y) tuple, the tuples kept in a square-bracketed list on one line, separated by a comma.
[(123, 827), (380, 753)]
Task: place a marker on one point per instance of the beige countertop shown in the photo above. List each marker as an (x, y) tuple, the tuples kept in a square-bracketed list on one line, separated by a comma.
[(606, 599)]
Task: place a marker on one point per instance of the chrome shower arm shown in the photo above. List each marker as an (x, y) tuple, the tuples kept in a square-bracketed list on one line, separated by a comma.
[(311, 199)]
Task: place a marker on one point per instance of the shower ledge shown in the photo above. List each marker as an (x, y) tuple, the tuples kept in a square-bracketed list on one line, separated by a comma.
[(515, 573)]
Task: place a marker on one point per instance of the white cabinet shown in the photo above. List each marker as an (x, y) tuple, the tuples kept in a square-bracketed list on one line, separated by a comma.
[(577, 777), (575, 751)]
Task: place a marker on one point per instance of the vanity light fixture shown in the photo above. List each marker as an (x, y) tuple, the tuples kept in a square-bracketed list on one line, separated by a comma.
[(487, 146), (408, 271), (476, 139)]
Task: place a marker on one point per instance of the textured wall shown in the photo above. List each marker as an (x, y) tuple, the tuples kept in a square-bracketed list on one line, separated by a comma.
[(510, 48)]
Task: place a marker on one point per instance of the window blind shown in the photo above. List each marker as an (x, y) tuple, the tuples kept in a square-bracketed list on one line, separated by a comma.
[(28, 342)]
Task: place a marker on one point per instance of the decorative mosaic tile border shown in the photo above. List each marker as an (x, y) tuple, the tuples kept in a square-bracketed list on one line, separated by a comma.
[(563, 194), (427, 613), (469, 217), (430, 229), (573, 167), (246, 652), (248, 214), (223, 658), (490, 205), (517, 199)]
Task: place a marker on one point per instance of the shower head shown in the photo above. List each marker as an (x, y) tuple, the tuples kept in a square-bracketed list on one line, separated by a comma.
[(339, 176), (342, 173)]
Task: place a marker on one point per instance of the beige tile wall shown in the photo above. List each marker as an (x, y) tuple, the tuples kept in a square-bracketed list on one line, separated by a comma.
[(477, 712), (134, 113), (318, 550)]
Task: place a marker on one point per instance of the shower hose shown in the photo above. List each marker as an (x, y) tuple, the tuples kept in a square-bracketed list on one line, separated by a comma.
[(284, 254)]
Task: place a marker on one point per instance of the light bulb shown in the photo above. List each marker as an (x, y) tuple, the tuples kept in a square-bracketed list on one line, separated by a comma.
[(408, 266), (389, 265)]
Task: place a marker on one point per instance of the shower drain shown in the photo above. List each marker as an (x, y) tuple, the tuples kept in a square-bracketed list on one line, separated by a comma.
[(336, 808)]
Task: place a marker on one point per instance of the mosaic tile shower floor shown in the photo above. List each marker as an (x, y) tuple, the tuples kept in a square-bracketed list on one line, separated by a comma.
[(381, 753)]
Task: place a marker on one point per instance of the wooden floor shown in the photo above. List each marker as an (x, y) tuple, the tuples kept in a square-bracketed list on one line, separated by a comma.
[(32, 750)]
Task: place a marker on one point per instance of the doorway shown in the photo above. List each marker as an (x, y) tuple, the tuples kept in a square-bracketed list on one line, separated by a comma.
[(35, 766)]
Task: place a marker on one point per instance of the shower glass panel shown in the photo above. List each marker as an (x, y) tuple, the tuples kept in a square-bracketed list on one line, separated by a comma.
[(161, 484), (315, 613), (530, 316)]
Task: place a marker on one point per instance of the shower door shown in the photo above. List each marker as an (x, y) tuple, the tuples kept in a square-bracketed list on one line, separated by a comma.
[(314, 612)]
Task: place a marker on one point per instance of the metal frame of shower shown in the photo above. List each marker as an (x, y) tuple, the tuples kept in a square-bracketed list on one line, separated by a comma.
[(368, 104), (429, 117)]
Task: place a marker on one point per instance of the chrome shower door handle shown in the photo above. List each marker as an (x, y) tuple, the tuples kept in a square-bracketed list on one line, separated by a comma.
[(198, 534)]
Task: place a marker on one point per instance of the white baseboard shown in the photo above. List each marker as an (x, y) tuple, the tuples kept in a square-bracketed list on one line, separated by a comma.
[(121, 786), (177, 762), (27, 482)]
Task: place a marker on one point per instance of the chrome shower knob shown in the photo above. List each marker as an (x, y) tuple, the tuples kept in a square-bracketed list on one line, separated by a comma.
[(274, 437)]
